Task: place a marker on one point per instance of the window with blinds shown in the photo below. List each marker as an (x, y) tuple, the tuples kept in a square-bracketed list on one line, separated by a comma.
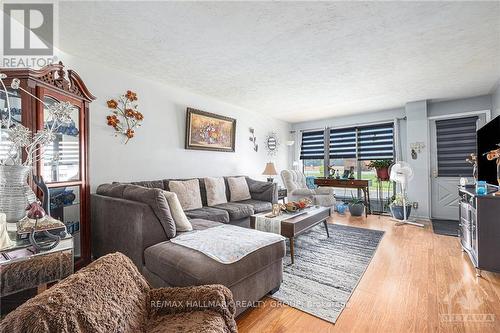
[(456, 139), (313, 145), (5, 146), (364, 143), (342, 143), (376, 142)]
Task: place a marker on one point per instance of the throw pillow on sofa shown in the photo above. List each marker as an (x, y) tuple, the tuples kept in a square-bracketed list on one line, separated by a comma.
[(216, 191), (181, 221), (188, 192), (238, 188), (150, 196)]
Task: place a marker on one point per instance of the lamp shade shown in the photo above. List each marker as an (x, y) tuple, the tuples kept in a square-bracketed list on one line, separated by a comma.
[(270, 170)]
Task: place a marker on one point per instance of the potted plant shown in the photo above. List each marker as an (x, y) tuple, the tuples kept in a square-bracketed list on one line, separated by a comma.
[(397, 207), (356, 206), (382, 168)]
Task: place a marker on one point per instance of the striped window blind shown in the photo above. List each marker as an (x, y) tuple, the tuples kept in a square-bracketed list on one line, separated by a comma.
[(456, 139), (364, 143), (376, 142), (5, 146), (313, 145), (343, 143), (62, 160)]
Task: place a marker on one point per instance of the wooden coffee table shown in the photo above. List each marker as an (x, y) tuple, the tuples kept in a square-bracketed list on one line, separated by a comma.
[(296, 225)]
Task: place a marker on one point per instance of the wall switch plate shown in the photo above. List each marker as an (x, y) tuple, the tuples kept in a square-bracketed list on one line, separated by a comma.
[(415, 205)]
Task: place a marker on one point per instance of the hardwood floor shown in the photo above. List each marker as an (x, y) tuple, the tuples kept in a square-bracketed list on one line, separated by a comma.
[(417, 282)]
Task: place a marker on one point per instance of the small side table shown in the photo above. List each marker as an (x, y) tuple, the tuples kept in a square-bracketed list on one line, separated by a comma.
[(282, 194), (22, 268)]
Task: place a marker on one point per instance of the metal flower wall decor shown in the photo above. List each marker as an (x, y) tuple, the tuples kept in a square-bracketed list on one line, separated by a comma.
[(253, 140), (125, 117), (21, 138)]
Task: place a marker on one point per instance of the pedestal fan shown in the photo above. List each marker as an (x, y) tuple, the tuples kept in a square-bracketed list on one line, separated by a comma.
[(401, 173)]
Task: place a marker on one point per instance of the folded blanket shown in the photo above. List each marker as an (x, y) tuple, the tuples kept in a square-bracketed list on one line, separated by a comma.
[(226, 243)]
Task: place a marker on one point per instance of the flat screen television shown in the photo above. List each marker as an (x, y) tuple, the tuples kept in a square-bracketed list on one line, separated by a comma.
[(488, 137)]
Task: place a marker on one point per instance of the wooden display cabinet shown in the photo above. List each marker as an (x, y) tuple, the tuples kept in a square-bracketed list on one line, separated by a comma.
[(65, 164)]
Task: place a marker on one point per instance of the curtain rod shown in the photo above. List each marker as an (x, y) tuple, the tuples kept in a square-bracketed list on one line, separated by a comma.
[(354, 125)]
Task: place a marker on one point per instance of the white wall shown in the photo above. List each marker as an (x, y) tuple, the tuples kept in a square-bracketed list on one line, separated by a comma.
[(477, 103), (158, 151), (495, 101), (418, 131)]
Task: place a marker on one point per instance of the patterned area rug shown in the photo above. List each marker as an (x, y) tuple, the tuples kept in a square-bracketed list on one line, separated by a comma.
[(326, 270)]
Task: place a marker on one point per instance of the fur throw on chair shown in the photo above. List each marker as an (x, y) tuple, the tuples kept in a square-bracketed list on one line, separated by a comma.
[(110, 295)]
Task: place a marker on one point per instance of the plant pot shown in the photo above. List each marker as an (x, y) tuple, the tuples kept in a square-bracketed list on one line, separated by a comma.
[(383, 173), (15, 193), (356, 209), (397, 212)]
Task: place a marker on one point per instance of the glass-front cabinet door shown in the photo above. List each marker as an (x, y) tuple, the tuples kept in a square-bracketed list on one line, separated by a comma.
[(6, 149), (61, 168), (65, 206), (61, 162)]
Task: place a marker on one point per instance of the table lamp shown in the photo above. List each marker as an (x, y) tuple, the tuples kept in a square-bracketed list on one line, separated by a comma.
[(270, 171)]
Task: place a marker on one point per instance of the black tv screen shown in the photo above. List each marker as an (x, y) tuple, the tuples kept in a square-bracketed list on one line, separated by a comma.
[(488, 137)]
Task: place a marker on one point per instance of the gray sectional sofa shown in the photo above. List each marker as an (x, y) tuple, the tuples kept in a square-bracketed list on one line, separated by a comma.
[(263, 194), (134, 218)]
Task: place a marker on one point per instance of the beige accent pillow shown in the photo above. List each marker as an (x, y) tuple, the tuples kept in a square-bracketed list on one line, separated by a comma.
[(188, 192), (238, 187), (216, 191), (181, 221)]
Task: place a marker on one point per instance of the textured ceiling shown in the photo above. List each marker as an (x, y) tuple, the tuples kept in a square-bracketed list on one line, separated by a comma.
[(296, 61)]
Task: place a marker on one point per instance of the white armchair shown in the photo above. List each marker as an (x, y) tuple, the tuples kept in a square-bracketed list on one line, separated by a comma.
[(295, 183)]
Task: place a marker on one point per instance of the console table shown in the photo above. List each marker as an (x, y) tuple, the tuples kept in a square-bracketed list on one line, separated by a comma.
[(22, 268), (360, 184)]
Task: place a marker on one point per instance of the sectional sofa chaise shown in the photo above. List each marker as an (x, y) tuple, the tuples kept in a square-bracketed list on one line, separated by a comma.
[(134, 218)]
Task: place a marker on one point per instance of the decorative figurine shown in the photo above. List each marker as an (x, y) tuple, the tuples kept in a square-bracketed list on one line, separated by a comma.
[(276, 209), (331, 171), (5, 241), (36, 212), (38, 180), (472, 159), (351, 172)]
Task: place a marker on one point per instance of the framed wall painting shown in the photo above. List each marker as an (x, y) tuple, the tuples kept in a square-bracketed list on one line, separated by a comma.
[(209, 131)]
